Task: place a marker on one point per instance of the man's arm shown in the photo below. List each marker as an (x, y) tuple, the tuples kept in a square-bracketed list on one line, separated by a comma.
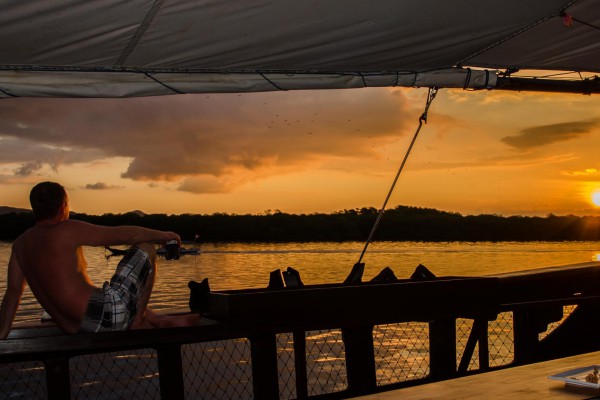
[(98, 235), (15, 284)]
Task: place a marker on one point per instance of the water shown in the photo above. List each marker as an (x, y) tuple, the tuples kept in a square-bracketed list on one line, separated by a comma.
[(243, 265)]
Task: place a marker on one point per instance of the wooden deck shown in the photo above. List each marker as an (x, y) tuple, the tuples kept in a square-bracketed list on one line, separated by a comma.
[(522, 383)]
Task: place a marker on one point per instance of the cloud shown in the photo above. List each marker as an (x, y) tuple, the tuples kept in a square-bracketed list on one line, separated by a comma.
[(548, 134), (195, 139), (28, 168), (204, 184), (20, 150), (586, 174), (501, 162), (101, 186)]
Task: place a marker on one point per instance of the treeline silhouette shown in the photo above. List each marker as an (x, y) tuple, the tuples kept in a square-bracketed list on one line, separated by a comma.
[(399, 224)]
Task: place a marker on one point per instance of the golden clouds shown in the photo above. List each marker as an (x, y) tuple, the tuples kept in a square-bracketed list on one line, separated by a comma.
[(588, 173), (307, 151)]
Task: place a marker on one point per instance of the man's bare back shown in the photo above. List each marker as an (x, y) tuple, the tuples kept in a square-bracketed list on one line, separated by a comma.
[(54, 266), (49, 258)]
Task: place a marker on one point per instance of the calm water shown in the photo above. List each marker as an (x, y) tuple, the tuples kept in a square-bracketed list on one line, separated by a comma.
[(242, 265)]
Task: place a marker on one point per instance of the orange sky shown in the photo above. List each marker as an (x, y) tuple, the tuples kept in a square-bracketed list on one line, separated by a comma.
[(307, 151)]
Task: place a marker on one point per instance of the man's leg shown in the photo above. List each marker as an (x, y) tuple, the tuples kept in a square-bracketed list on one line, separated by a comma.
[(146, 318), (140, 321)]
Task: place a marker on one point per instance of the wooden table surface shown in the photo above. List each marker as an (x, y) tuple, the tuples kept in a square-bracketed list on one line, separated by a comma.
[(525, 382)]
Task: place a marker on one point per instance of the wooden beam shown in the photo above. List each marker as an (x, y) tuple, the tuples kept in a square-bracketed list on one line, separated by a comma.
[(587, 86)]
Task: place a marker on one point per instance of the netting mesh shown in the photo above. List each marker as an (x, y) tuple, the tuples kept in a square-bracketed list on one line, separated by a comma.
[(217, 370), (501, 340), (401, 352), (120, 375), (463, 331), (223, 370), (23, 380), (286, 366), (325, 362), (567, 310)]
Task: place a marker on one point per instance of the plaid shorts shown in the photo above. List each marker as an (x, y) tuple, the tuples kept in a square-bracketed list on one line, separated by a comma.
[(115, 305)]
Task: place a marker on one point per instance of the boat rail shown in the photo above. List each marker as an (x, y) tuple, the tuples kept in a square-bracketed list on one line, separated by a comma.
[(319, 342)]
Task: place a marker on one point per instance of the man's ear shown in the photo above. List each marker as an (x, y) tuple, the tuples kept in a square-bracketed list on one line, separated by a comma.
[(64, 208)]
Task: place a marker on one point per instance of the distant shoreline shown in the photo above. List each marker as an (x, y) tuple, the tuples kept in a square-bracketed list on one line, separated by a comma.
[(399, 224)]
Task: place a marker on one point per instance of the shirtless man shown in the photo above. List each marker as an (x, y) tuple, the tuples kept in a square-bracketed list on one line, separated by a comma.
[(49, 258)]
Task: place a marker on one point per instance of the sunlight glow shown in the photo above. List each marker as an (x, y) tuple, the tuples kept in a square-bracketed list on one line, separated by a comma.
[(596, 198)]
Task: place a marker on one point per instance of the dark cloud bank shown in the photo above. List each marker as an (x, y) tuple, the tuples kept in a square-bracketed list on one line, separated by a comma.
[(207, 139), (548, 134)]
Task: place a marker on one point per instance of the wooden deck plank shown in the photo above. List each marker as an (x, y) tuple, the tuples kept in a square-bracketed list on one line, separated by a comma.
[(38, 340), (523, 383)]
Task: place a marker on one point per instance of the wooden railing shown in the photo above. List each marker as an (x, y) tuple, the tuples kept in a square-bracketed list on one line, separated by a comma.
[(535, 299)]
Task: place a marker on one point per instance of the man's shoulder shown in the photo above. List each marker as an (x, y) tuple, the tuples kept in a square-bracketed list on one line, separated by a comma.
[(23, 236), (63, 227), (72, 222)]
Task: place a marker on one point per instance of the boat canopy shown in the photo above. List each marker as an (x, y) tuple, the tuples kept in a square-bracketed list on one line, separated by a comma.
[(128, 48)]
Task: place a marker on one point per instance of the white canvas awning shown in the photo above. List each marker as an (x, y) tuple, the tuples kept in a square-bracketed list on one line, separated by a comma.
[(124, 48)]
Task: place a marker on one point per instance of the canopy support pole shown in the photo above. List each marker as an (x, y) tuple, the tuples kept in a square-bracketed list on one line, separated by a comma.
[(585, 86)]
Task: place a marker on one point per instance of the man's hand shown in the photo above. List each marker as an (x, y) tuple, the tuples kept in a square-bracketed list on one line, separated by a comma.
[(171, 236)]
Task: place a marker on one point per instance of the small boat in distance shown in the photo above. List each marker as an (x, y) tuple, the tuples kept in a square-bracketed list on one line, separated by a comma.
[(161, 251), (115, 252)]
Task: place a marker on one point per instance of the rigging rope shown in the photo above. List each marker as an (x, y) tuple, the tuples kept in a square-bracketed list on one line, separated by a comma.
[(423, 118)]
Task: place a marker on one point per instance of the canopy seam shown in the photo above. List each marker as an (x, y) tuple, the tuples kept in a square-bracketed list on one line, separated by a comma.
[(516, 33), (148, 18)]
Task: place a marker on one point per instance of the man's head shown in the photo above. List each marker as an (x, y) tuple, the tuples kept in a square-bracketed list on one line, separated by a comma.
[(48, 199)]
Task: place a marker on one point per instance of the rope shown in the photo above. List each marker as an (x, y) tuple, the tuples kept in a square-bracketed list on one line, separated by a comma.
[(7, 93), (271, 82), (162, 83), (423, 118)]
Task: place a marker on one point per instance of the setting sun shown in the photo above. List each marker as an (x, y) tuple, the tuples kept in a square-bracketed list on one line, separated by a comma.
[(596, 198)]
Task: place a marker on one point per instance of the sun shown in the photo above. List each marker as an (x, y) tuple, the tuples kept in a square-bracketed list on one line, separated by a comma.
[(596, 198)]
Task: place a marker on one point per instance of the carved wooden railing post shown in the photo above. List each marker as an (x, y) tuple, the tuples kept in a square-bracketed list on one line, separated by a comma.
[(442, 336), (58, 381), (265, 375), (170, 372), (360, 359)]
